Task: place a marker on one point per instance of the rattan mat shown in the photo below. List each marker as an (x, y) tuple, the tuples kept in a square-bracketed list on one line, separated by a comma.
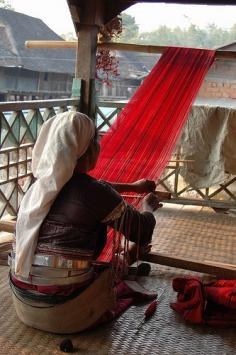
[(201, 235), (166, 333)]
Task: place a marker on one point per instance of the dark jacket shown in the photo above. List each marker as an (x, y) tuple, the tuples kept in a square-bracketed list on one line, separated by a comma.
[(74, 221)]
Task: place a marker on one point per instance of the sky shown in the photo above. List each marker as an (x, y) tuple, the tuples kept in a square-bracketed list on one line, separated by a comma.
[(56, 15)]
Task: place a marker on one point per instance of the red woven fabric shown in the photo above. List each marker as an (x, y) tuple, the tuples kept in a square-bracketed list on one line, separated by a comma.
[(140, 142), (107, 252)]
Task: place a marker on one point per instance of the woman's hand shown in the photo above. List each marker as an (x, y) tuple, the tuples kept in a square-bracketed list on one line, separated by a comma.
[(144, 186), (151, 203)]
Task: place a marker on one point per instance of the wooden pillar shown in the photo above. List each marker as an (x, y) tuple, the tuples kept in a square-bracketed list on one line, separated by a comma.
[(91, 17), (86, 67)]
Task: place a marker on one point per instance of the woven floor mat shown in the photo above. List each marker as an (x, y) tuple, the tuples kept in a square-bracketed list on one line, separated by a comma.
[(166, 333), (196, 235)]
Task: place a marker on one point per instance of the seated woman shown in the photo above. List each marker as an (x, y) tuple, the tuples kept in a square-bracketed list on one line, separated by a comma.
[(62, 229)]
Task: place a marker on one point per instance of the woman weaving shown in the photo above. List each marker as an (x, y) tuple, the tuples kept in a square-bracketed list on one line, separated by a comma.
[(62, 227)]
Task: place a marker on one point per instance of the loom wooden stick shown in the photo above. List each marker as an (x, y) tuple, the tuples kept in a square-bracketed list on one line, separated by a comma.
[(118, 46), (189, 264), (181, 161), (50, 44), (162, 195), (218, 263)]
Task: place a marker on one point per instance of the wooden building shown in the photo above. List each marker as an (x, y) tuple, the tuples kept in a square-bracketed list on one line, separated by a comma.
[(133, 67), (27, 74)]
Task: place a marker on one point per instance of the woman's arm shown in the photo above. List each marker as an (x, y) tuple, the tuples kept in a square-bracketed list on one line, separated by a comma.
[(140, 186), (150, 203), (138, 226)]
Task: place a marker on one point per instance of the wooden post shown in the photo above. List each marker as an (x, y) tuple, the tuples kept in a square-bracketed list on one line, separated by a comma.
[(86, 68), (90, 18)]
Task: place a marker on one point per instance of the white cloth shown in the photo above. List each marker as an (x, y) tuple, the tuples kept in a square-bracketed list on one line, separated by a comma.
[(209, 140), (62, 140)]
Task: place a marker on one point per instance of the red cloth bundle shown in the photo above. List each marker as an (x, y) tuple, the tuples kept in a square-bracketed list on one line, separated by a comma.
[(213, 303)]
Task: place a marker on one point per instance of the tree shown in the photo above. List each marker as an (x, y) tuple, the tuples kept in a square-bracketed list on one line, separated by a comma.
[(217, 37), (5, 4), (193, 36), (232, 33), (130, 29)]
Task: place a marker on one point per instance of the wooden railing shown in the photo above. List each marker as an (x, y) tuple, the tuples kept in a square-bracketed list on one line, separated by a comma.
[(20, 123)]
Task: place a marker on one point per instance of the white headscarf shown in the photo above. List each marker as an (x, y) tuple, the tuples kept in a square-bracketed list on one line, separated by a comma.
[(62, 140)]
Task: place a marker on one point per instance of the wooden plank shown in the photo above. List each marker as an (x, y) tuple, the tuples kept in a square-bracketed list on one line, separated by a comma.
[(222, 270)]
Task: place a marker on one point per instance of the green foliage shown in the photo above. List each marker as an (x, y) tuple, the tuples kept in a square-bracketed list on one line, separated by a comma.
[(210, 37), (130, 30)]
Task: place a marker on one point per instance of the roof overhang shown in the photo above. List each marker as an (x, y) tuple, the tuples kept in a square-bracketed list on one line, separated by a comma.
[(101, 12)]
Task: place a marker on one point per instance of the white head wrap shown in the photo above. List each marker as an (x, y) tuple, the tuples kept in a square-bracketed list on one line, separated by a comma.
[(62, 140)]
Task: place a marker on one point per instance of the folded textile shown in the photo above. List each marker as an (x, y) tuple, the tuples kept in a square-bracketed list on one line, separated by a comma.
[(212, 303)]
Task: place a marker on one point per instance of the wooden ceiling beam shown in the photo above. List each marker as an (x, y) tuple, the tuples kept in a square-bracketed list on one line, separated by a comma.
[(86, 12), (112, 8), (189, 2)]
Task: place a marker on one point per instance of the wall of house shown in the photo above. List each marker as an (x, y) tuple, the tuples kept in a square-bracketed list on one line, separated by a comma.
[(122, 88), (55, 82), (218, 89), (17, 79), (220, 81), (21, 84)]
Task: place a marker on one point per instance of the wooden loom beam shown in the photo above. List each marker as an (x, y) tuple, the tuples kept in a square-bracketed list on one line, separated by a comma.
[(210, 267), (220, 54)]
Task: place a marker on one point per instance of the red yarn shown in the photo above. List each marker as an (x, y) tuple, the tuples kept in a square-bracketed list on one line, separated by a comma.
[(141, 141)]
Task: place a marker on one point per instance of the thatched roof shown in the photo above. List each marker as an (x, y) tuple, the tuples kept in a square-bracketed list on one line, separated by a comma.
[(15, 29)]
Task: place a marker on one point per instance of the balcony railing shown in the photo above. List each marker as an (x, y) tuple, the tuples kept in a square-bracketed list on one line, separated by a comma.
[(20, 124)]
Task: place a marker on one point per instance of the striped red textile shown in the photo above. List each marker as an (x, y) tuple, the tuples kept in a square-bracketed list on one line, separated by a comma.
[(140, 142), (107, 252)]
